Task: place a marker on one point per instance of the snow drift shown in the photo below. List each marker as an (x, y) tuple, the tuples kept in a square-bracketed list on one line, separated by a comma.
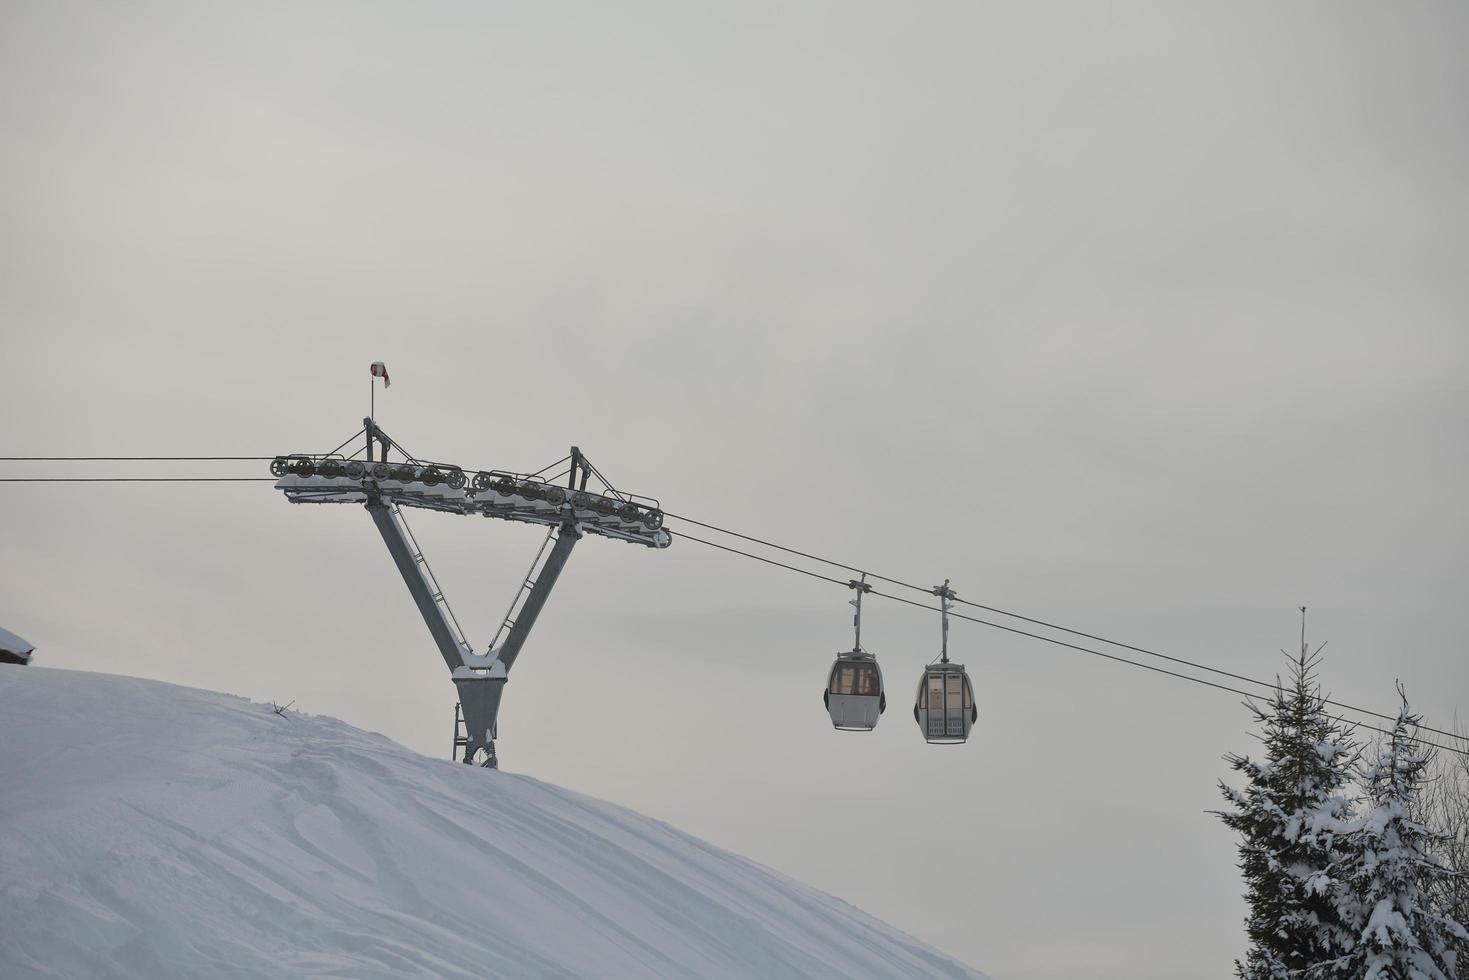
[(151, 831)]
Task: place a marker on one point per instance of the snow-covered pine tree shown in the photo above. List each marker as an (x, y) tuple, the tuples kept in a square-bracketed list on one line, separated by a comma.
[(1383, 880), (1287, 817)]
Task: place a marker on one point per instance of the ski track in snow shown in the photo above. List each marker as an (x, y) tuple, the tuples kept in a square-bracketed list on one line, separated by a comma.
[(155, 831)]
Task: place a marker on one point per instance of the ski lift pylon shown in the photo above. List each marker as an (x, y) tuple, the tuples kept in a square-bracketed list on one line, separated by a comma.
[(386, 488)]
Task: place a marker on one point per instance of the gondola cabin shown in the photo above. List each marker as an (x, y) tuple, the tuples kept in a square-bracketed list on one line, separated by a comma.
[(945, 708), (854, 696)]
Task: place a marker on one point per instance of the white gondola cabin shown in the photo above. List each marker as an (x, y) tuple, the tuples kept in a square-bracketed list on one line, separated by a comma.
[(854, 697), (945, 709)]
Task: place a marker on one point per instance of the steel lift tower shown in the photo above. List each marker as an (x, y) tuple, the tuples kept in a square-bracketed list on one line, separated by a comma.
[(569, 512)]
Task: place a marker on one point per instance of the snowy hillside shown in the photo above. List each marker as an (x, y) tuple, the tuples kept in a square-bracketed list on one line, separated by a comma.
[(152, 831)]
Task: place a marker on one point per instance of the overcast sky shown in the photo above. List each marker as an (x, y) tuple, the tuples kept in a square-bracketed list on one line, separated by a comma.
[(1146, 318)]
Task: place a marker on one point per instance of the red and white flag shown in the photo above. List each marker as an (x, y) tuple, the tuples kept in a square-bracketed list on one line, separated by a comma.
[(380, 370)]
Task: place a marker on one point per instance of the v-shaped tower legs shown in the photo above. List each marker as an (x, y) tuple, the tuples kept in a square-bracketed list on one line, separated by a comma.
[(480, 680)]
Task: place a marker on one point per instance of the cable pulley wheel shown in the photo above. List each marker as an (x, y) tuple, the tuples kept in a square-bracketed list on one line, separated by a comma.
[(455, 479), (278, 467)]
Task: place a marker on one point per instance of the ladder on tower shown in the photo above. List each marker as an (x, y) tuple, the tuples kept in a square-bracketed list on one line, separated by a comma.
[(461, 732)]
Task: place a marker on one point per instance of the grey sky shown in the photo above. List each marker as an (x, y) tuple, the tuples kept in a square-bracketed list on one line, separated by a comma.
[(1146, 318)]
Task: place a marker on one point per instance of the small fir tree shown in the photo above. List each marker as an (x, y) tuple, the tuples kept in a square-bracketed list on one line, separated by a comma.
[(1288, 816), (1390, 868)]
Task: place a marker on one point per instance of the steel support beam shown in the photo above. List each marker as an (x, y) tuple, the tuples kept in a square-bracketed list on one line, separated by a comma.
[(411, 568), (540, 591)]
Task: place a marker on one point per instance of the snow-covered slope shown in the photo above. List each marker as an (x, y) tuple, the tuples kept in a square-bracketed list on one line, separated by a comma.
[(153, 831)]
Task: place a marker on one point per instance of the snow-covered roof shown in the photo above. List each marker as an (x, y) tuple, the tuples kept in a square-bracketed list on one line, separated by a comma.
[(10, 643)]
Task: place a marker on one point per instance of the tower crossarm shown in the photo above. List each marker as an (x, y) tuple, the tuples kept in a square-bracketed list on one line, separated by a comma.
[(497, 494)]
